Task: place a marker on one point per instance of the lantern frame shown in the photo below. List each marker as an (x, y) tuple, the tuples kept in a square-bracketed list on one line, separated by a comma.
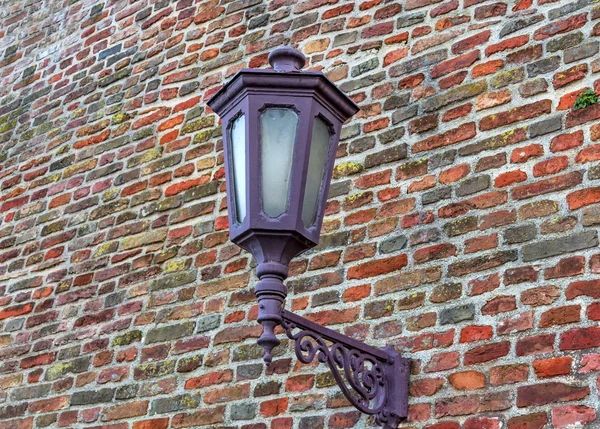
[(310, 95), (374, 380)]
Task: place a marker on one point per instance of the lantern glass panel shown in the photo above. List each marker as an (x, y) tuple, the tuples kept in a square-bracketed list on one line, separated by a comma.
[(277, 136), (317, 160), (238, 158)]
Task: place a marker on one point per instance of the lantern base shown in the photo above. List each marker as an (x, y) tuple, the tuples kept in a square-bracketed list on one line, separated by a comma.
[(375, 381), (271, 293)]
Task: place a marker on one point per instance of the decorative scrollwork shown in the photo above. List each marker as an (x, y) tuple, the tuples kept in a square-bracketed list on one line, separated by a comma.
[(360, 376), (375, 381)]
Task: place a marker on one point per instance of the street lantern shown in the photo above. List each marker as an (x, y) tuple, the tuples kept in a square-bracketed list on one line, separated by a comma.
[(281, 130)]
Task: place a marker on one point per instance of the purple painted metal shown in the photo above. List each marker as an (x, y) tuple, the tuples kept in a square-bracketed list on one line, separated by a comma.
[(375, 381), (275, 241), (381, 377)]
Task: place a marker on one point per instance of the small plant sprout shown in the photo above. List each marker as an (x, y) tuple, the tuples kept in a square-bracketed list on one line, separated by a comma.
[(585, 99)]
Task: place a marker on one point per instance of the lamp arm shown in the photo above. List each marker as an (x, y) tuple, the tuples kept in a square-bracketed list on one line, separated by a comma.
[(374, 380)]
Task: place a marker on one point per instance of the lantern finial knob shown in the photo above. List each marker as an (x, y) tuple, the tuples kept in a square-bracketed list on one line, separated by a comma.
[(287, 59)]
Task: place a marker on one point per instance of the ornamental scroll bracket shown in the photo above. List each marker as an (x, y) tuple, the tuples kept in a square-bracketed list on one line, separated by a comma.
[(374, 380)]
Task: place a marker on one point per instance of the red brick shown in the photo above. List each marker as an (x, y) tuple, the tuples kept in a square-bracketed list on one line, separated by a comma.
[(471, 42), (414, 4), (582, 338), (444, 8), (518, 323), (273, 407), (454, 174), (411, 81), (475, 333), (526, 55), (593, 311), (378, 267), (508, 374), (467, 380), (187, 104), (588, 154), (438, 251), (486, 353), (583, 198), (483, 285), (566, 77), (457, 112), (567, 101), (418, 412), (155, 115), (566, 141), (510, 178), (450, 22), (500, 304), (517, 114), (425, 386), (454, 64), (128, 410), (524, 153), (547, 393), (457, 135), (589, 363), (535, 344), (550, 166), (510, 43), (300, 383), (333, 317), (444, 425), (552, 367), (582, 116), (487, 68), (16, 310), (589, 288), (562, 26), (554, 184), (442, 362), (378, 30), (472, 404), (38, 360), (395, 55), (483, 423), (529, 421), (566, 267), (161, 423), (47, 405), (481, 243), (209, 379), (569, 416)]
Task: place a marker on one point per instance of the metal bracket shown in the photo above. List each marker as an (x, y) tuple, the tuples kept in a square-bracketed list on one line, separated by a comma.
[(375, 381)]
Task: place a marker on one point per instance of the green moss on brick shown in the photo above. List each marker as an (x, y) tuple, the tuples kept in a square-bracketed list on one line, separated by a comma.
[(347, 169), (201, 123), (7, 126), (127, 338)]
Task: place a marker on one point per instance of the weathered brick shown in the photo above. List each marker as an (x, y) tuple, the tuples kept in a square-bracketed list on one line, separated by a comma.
[(545, 393), (454, 95), (559, 246), (92, 397), (169, 332)]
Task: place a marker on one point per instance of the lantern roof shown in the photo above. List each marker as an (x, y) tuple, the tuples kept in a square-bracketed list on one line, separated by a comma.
[(287, 79)]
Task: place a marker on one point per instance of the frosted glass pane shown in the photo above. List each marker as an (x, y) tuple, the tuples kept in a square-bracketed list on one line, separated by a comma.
[(316, 169), (238, 156), (277, 135)]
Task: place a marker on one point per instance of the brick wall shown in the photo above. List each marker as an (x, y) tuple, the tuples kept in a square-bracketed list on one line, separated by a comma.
[(461, 229)]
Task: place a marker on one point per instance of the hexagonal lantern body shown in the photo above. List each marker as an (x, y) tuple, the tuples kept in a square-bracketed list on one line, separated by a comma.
[(280, 135), (281, 130)]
